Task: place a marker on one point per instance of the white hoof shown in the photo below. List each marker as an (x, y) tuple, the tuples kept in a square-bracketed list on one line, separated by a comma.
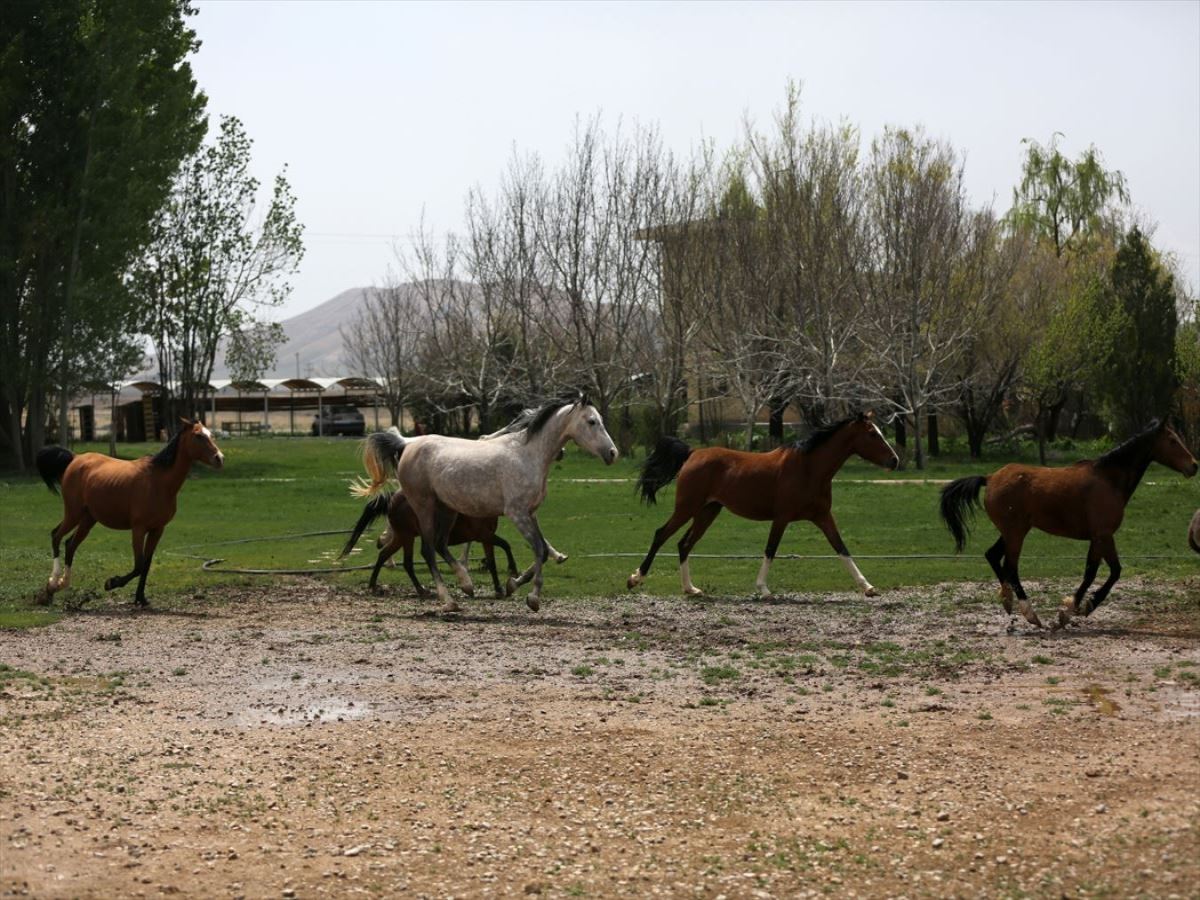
[(560, 558), (635, 579), (869, 591), (693, 591)]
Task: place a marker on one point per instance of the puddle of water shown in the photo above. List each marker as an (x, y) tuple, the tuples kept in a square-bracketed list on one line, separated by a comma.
[(1099, 697)]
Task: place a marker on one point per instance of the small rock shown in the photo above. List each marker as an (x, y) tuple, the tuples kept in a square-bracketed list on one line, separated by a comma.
[(943, 816), (937, 842), (1101, 809), (902, 775)]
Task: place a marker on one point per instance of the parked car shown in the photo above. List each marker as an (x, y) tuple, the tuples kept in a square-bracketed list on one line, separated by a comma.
[(339, 420)]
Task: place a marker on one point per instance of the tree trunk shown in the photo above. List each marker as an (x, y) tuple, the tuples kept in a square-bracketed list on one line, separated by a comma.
[(918, 446), (778, 406), (901, 432), (934, 447)]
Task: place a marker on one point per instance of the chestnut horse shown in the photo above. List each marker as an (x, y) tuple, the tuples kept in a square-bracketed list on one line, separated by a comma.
[(1085, 501), (781, 487), (137, 495), (403, 529)]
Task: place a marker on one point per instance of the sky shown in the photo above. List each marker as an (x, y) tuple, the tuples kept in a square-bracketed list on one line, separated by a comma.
[(386, 114)]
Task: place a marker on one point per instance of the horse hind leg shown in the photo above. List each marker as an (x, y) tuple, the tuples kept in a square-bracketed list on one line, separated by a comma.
[(691, 537), (80, 535), (1013, 543), (995, 557)]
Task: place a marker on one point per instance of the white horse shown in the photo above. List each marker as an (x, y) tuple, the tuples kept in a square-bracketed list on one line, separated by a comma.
[(504, 476)]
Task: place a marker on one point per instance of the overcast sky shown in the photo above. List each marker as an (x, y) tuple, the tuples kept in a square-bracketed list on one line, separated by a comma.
[(381, 110)]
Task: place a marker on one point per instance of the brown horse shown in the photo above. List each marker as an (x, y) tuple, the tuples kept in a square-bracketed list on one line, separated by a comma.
[(403, 529), (1085, 501), (781, 487), (1194, 532), (137, 495)]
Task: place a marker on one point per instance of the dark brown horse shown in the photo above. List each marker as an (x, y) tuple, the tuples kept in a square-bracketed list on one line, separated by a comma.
[(137, 496), (1085, 501), (779, 487), (403, 529)]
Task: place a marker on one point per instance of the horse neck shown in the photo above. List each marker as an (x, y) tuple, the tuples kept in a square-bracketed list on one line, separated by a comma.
[(176, 474), (826, 460), (547, 442), (1126, 475)]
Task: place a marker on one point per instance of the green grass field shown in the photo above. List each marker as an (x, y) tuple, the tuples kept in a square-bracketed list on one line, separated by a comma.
[(272, 488)]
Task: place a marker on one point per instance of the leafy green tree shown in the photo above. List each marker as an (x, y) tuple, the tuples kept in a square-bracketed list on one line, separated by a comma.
[(1065, 201), (98, 106), (1140, 376), (212, 264)]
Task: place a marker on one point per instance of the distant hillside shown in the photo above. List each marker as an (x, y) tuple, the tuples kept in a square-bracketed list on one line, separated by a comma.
[(314, 336)]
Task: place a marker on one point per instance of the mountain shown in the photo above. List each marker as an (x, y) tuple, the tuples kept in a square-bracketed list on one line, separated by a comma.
[(314, 335)]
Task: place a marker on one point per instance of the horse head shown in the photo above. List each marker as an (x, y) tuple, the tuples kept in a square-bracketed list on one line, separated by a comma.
[(1169, 450), (585, 427), (869, 443), (200, 446)]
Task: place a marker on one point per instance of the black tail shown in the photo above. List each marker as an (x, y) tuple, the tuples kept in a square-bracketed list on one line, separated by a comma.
[(960, 499), (661, 467), (51, 463), (375, 508)]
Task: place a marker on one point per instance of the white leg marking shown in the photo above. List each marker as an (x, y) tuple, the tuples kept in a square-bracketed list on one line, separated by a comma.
[(685, 572), (863, 584), (761, 582)]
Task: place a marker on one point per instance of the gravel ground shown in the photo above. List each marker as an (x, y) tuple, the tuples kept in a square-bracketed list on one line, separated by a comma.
[(297, 741)]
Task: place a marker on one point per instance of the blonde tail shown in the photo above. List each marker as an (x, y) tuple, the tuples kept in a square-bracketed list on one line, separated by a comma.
[(381, 452)]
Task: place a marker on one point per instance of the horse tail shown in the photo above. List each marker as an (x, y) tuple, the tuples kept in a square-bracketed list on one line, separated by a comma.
[(381, 453), (960, 499), (375, 508), (661, 467), (51, 463)]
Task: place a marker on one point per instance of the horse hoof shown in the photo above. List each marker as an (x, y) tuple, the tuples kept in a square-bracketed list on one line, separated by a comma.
[(469, 591), (111, 584), (44, 596), (450, 609), (510, 586), (692, 591), (1030, 614), (634, 580), (561, 558), (533, 603), (871, 592)]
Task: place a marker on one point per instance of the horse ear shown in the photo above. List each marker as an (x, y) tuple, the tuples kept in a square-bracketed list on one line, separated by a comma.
[(867, 415), (185, 422)]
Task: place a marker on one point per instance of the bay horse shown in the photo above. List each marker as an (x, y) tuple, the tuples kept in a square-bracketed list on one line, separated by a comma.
[(403, 529), (782, 486), (444, 477), (1194, 532), (1085, 501), (126, 495)]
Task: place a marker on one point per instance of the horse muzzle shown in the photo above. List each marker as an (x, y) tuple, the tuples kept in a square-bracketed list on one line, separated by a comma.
[(611, 456), (218, 462), (893, 464)]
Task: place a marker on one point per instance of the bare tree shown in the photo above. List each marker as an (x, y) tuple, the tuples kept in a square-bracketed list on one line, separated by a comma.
[(921, 232), (384, 341)]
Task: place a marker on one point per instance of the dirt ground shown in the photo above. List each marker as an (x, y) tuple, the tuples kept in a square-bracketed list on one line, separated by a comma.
[(297, 741)]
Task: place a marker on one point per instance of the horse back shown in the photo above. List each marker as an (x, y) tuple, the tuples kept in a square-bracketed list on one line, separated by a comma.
[(1073, 501), (750, 485)]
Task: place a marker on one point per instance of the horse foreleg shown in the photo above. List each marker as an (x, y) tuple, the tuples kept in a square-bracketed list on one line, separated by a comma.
[(829, 528), (386, 552), (554, 554), (690, 539), (1108, 549), (152, 538), (672, 525), (489, 560), (1073, 605), (139, 550), (504, 545), (778, 527), (412, 575), (527, 524)]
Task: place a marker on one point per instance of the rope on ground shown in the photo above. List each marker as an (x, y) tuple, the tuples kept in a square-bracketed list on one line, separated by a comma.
[(212, 564)]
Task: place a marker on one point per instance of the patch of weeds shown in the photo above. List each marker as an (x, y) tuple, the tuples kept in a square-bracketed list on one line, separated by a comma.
[(178, 672), (111, 636), (716, 674), (1053, 679), (1162, 671), (985, 716), (583, 671), (932, 692), (1043, 660), (889, 703)]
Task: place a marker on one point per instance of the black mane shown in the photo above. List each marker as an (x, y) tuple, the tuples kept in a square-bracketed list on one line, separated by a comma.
[(165, 458), (821, 434), (1133, 452), (545, 413)]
